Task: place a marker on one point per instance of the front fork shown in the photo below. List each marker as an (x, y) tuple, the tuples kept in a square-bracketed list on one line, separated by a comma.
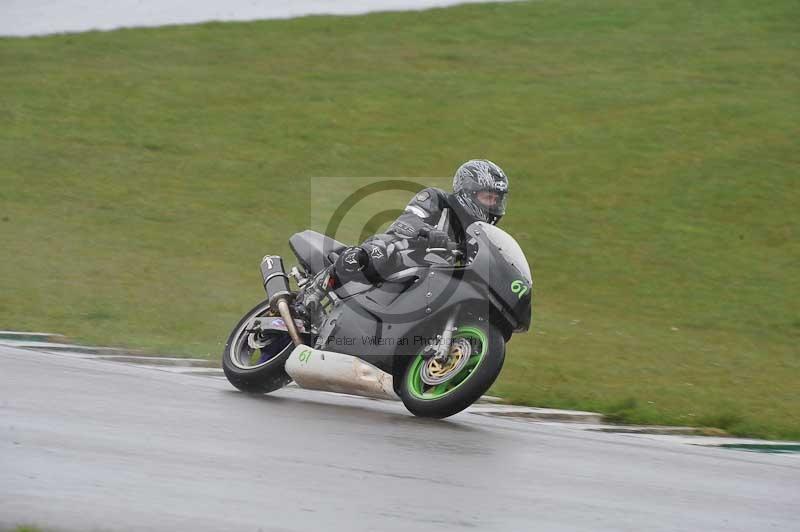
[(440, 350)]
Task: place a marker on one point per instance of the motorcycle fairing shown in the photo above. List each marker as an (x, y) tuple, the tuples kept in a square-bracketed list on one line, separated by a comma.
[(379, 322)]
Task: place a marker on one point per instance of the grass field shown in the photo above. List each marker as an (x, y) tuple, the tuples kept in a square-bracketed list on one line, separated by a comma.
[(652, 146)]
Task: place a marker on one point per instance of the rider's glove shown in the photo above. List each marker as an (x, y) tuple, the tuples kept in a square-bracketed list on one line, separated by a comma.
[(438, 239)]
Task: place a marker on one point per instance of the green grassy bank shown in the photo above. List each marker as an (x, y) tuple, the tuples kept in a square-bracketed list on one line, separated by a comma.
[(652, 146)]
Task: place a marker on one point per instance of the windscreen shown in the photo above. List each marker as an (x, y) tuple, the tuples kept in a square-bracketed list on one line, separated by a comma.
[(508, 248)]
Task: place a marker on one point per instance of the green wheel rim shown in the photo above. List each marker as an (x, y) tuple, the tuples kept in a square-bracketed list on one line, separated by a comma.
[(420, 390)]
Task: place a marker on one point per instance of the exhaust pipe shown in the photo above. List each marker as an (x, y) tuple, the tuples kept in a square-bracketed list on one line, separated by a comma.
[(276, 284), (283, 310)]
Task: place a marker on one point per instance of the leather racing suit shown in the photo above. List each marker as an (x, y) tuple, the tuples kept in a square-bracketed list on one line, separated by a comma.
[(415, 229)]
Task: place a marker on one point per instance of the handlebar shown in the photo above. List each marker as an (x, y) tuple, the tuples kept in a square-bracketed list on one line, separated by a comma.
[(451, 248)]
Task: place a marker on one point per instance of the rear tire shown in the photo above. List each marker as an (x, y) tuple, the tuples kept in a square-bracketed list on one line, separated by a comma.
[(265, 376), (465, 386)]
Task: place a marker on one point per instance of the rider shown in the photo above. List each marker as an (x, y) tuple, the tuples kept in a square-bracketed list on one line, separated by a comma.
[(480, 190)]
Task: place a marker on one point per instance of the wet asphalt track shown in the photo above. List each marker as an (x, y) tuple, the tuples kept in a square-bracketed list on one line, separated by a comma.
[(89, 445)]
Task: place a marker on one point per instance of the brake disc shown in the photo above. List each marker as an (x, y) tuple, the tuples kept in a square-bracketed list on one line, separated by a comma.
[(434, 372)]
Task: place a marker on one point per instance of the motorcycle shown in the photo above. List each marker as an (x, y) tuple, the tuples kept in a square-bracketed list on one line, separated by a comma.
[(432, 334)]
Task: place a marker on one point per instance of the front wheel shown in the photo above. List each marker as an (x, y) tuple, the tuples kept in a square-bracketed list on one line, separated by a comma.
[(438, 389)]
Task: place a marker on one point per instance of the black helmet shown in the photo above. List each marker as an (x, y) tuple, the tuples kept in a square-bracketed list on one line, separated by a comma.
[(481, 187)]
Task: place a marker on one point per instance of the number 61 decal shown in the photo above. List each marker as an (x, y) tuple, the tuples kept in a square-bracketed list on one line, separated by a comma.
[(519, 288)]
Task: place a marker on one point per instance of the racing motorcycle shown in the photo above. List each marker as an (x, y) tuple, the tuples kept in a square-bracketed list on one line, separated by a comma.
[(432, 334)]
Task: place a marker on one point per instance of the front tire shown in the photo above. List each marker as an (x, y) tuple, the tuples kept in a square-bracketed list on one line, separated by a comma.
[(259, 369), (468, 380)]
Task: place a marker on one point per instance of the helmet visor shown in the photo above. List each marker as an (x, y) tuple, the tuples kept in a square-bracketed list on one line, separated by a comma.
[(492, 201)]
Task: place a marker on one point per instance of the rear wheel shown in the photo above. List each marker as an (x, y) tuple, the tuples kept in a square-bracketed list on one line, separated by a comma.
[(254, 360), (441, 388)]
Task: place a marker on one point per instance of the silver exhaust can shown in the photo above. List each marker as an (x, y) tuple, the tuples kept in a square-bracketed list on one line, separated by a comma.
[(334, 372)]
